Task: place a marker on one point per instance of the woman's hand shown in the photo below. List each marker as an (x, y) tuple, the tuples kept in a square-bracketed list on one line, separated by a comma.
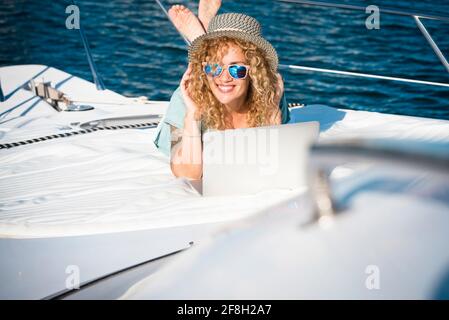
[(186, 156), (279, 88), (192, 107)]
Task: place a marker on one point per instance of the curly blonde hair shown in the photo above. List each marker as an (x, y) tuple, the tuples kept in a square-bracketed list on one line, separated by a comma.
[(261, 96)]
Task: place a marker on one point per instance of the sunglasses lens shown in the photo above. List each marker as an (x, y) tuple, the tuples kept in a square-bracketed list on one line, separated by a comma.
[(213, 70), (238, 72), (208, 69)]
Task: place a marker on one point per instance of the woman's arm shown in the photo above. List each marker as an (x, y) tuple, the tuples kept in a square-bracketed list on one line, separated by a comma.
[(187, 151)]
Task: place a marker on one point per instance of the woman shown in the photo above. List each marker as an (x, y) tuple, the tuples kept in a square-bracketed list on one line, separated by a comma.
[(231, 82)]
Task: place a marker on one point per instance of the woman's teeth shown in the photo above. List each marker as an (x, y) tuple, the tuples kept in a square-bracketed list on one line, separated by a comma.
[(225, 88)]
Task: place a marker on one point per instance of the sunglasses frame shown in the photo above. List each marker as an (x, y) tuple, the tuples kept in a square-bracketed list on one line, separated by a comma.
[(227, 69)]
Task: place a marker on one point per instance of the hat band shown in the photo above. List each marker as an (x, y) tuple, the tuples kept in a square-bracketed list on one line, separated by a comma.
[(232, 29)]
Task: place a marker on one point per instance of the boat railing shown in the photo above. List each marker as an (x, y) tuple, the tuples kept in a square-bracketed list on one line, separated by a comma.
[(93, 68), (416, 16)]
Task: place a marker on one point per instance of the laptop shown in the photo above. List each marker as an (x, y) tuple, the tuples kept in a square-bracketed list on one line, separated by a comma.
[(251, 160)]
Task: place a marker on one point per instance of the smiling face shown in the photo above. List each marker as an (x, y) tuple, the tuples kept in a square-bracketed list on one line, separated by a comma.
[(229, 91), (252, 97)]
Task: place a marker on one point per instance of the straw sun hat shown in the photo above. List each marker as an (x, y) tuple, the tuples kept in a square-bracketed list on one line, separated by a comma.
[(238, 26)]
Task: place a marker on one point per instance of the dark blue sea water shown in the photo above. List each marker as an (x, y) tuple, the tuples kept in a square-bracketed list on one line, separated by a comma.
[(138, 52)]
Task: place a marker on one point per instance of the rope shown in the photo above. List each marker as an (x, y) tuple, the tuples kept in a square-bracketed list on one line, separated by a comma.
[(74, 133), (84, 131)]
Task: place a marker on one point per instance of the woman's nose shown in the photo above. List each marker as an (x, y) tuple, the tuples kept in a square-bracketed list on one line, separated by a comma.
[(225, 76)]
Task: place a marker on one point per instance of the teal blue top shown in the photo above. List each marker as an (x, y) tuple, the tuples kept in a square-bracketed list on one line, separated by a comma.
[(175, 116)]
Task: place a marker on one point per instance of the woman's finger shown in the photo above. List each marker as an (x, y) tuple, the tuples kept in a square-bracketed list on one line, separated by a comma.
[(280, 79), (184, 89), (186, 76), (188, 71)]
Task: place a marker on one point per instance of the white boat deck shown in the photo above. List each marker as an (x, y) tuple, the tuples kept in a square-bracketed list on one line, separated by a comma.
[(110, 181), (88, 199)]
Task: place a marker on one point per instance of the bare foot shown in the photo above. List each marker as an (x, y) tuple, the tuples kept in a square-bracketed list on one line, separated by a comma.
[(186, 22), (207, 10)]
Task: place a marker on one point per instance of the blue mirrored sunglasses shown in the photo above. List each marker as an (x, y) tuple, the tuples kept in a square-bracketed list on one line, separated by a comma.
[(236, 71)]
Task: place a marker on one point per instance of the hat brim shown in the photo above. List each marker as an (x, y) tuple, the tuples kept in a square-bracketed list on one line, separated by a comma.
[(264, 45)]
